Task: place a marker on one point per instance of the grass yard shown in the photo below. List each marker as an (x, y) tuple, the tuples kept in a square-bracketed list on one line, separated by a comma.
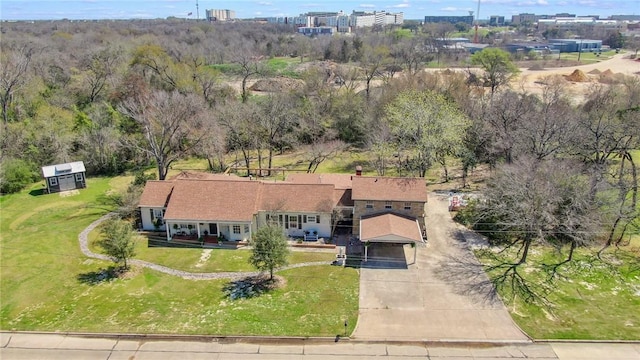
[(206, 260), (43, 281), (589, 299)]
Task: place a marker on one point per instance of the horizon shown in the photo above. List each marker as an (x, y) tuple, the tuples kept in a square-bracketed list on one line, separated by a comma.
[(24, 10)]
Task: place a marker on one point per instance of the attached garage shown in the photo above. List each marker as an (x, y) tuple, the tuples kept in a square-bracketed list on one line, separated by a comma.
[(65, 177), (390, 228)]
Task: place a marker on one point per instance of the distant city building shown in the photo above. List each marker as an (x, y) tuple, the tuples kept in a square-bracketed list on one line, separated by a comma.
[(339, 21), (625, 17), (316, 30), (220, 15), (575, 45), (449, 19), (576, 22), (496, 20), (524, 18)]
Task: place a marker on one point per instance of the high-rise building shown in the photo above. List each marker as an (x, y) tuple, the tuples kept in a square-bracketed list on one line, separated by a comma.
[(496, 20), (524, 18), (220, 15)]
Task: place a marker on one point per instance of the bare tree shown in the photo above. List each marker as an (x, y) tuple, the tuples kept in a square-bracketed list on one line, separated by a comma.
[(372, 63), (317, 153), (98, 66), (170, 123), (275, 124), (14, 63), (249, 63), (237, 118), (534, 201)]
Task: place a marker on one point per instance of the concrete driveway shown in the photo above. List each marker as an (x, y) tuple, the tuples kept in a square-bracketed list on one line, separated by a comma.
[(443, 296)]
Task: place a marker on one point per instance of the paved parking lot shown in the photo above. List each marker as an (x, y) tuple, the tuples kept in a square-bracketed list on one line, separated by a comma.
[(444, 295)]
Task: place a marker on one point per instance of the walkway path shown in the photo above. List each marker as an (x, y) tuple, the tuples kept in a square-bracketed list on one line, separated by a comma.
[(14, 346), (84, 247)]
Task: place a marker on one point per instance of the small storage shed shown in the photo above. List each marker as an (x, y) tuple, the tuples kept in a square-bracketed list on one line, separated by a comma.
[(63, 177)]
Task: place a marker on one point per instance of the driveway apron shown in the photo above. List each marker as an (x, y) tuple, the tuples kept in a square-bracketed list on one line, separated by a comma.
[(443, 296)]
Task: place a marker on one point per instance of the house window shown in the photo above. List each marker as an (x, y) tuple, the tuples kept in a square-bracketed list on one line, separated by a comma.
[(387, 205), (407, 206), (293, 222), (157, 216), (236, 229), (78, 177), (311, 218), (246, 229), (53, 181), (369, 204)]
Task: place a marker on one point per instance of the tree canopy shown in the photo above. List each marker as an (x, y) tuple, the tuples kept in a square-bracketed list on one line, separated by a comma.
[(270, 249), (497, 65), (118, 241), (428, 125)]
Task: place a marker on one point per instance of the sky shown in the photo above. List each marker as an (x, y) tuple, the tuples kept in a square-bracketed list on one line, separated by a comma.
[(412, 9)]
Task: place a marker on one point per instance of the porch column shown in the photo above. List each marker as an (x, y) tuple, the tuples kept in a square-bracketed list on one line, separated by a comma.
[(198, 229), (167, 227), (365, 253)]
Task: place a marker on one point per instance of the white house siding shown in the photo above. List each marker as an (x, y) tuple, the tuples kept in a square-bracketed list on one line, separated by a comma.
[(147, 221), (323, 227), (227, 230)]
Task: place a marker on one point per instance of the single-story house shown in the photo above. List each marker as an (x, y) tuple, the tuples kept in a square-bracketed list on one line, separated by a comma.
[(306, 206), (63, 177)]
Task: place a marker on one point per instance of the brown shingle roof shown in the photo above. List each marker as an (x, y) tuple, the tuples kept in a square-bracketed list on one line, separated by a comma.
[(389, 189), (213, 200), (340, 181), (390, 228), (156, 193), (297, 197), (342, 197)]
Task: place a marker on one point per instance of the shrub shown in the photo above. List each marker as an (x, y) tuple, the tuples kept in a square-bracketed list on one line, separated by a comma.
[(16, 175)]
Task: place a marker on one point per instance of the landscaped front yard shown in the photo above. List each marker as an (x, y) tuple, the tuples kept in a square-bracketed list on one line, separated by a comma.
[(44, 281)]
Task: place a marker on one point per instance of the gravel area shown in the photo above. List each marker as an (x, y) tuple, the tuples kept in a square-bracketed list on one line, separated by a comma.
[(84, 247)]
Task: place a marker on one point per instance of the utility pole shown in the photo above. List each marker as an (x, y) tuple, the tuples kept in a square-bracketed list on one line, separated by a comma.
[(197, 11), (475, 36), (580, 50)]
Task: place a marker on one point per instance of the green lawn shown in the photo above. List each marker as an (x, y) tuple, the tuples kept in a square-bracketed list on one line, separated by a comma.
[(589, 299), (588, 57), (206, 260), (43, 284)]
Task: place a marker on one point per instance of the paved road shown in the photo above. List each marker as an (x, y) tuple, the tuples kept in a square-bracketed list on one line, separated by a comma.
[(18, 346), (444, 295)]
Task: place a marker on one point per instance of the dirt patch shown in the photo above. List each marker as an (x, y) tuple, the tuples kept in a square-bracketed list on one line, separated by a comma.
[(279, 84), (206, 254), (253, 286), (594, 72)]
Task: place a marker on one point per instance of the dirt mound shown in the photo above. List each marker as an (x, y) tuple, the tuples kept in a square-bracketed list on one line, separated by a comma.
[(594, 72), (279, 84), (609, 77), (577, 76)]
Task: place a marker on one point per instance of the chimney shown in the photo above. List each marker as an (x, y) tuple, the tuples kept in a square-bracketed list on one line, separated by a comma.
[(358, 170)]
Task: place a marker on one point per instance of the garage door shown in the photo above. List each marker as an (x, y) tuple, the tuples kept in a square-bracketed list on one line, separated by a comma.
[(67, 182)]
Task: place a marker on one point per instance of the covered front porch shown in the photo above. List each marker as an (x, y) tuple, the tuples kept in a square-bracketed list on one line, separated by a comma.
[(389, 229), (208, 231)]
